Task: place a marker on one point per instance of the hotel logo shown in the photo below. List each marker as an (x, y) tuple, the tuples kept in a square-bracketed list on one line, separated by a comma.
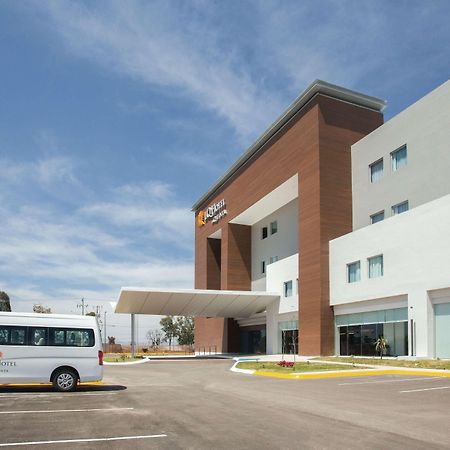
[(215, 212)]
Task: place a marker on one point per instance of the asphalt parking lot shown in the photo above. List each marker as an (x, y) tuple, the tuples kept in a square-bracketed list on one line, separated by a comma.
[(202, 405)]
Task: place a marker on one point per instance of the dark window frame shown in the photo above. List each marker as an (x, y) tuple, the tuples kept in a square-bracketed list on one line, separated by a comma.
[(394, 153), (48, 343), (15, 327), (379, 213), (372, 166), (31, 341), (273, 227), (264, 232)]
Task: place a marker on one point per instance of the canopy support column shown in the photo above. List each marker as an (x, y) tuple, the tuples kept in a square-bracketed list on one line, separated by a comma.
[(133, 336)]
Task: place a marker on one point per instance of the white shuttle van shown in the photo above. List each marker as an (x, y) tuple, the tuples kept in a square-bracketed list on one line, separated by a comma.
[(42, 348)]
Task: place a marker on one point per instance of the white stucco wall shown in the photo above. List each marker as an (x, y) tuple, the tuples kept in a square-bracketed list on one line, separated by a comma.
[(287, 307), (425, 128), (283, 243), (416, 252)]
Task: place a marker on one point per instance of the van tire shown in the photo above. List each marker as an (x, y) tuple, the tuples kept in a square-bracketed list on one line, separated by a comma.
[(65, 380)]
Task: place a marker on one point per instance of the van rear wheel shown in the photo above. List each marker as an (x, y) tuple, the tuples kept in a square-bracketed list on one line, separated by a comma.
[(65, 380)]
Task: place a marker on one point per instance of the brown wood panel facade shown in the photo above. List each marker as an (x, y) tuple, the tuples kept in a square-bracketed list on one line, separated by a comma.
[(236, 257), (316, 146), (213, 263)]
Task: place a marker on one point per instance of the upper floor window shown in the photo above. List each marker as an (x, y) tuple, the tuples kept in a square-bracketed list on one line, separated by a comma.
[(354, 272), (400, 208), (273, 227), (263, 232), (399, 158), (273, 259), (376, 171), (376, 268), (263, 267), (377, 217), (287, 288)]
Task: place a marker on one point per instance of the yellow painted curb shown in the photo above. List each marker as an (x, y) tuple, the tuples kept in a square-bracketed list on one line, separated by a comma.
[(349, 373)]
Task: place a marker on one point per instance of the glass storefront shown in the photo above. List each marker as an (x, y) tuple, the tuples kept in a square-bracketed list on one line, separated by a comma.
[(359, 332)]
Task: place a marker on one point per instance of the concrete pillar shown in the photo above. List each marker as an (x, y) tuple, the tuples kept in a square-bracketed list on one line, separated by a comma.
[(133, 335)]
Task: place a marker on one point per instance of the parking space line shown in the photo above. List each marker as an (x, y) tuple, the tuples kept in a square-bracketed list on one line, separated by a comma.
[(389, 381), (73, 441), (426, 389), (54, 395), (50, 411)]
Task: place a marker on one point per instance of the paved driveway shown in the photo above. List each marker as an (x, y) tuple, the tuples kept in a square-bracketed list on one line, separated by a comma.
[(201, 405)]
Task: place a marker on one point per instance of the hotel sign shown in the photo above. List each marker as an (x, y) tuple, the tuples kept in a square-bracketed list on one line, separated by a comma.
[(212, 213)]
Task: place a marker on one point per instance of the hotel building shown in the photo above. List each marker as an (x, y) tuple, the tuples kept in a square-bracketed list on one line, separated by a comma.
[(329, 231)]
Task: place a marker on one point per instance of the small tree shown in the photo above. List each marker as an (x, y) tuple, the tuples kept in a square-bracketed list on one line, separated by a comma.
[(169, 328), (5, 304), (155, 338), (185, 330), (41, 309), (111, 340), (381, 345)]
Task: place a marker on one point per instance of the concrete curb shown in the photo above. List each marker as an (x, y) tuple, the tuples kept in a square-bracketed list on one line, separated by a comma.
[(369, 371), (131, 363), (351, 373), (235, 369)]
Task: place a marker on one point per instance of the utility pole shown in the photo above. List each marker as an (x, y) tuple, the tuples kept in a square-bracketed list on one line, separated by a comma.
[(82, 305), (98, 315), (104, 327)]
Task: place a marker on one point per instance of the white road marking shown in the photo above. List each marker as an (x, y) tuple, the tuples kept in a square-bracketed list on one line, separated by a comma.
[(66, 395), (45, 411), (390, 381), (73, 441), (426, 389)]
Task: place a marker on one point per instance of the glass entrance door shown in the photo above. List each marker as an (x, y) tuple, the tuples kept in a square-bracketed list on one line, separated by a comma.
[(289, 342)]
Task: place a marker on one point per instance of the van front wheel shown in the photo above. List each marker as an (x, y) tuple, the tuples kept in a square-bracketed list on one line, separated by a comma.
[(65, 380)]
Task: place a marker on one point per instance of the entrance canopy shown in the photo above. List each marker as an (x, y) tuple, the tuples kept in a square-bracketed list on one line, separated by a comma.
[(193, 302)]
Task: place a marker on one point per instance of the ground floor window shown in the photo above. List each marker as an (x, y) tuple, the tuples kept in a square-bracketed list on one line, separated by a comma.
[(288, 337), (289, 342), (359, 340)]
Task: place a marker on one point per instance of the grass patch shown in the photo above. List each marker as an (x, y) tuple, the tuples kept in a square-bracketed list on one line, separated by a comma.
[(298, 367), (419, 364)]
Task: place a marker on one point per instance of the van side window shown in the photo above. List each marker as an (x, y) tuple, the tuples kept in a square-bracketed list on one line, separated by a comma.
[(80, 338), (71, 337), (57, 336), (13, 335), (38, 336), (4, 335)]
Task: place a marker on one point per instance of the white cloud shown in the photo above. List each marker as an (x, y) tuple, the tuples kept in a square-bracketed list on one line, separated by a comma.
[(147, 190), (44, 171), (164, 46), (48, 253), (55, 170), (151, 207)]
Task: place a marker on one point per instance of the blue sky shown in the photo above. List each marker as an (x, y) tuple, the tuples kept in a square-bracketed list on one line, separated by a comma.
[(116, 116)]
